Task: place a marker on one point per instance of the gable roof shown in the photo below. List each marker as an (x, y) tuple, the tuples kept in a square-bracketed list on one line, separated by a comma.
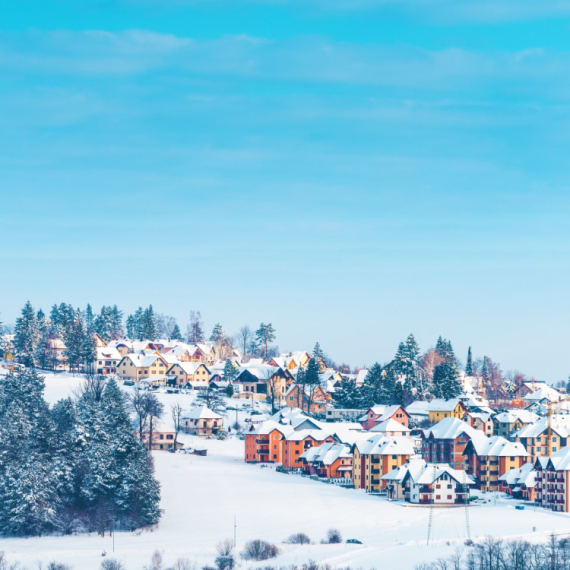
[(390, 425), (423, 473), (560, 425), (189, 367), (452, 428), (201, 413), (327, 453), (143, 360), (379, 444), (511, 416), (496, 446), (268, 426), (441, 405)]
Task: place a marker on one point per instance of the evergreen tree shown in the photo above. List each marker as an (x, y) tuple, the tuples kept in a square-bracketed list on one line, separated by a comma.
[(42, 350), (131, 327), (230, 372), (176, 334), (88, 351), (75, 339), (148, 324), (348, 395), (27, 335), (115, 323), (195, 328), (265, 335), (89, 320), (218, 333), (372, 386), (469, 365), (319, 355)]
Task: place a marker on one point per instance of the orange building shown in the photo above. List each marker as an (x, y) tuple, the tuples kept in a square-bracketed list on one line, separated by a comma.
[(296, 443), (330, 461), (264, 442), (301, 397), (378, 414)]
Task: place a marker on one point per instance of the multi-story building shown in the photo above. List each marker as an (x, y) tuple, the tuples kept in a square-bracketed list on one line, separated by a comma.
[(440, 409), (378, 414), (445, 442), (297, 442), (489, 458), (263, 442), (534, 436), (330, 461), (376, 457), (507, 423), (553, 482)]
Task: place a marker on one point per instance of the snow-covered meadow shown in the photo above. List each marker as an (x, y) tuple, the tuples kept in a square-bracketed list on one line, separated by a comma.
[(202, 495)]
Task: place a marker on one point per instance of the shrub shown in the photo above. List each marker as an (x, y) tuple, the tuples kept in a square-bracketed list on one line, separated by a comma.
[(57, 566), (298, 538), (225, 559), (112, 564), (334, 536), (259, 550), (183, 564)]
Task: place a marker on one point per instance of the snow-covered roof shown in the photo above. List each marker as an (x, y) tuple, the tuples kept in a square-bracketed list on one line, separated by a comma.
[(361, 376), (418, 408), (189, 367), (497, 446), (560, 460), (201, 413), (106, 353), (452, 428), (316, 434), (544, 392), (379, 444), (327, 453), (511, 416), (390, 425), (144, 360), (260, 371), (524, 475), (560, 426), (285, 415), (268, 426), (441, 405), (423, 473)]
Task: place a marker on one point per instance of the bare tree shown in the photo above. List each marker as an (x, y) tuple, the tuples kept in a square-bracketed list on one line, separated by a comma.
[(138, 403), (195, 330), (429, 361), (275, 389), (176, 414), (243, 340), (155, 410), (164, 326), (93, 387)]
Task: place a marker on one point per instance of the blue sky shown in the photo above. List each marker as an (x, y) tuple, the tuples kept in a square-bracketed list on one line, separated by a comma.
[(350, 171)]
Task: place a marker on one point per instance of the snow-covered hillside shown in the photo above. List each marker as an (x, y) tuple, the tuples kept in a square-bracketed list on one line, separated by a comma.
[(201, 496)]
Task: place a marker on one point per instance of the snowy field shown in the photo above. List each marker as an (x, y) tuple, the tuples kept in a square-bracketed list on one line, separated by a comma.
[(201, 496)]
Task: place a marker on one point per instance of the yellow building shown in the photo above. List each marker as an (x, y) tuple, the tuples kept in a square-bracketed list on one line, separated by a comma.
[(194, 373), (440, 409), (142, 366), (377, 456)]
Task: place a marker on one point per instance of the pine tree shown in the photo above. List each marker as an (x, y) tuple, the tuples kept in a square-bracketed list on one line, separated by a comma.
[(89, 320), (218, 334), (148, 324), (265, 335), (27, 335), (42, 350), (372, 386), (131, 327), (176, 334), (116, 323), (319, 355), (75, 339), (230, 371), (469, 365), (348, 395), (310, 381), (195, 328), (88, 351)]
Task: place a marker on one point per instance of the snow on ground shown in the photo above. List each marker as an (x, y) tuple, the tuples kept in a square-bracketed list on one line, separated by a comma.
[(201, 496)]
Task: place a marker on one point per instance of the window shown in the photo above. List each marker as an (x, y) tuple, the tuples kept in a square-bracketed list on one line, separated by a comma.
[(449, 496)]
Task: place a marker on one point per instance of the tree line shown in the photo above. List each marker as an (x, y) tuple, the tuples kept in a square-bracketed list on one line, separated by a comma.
[(75, 466)]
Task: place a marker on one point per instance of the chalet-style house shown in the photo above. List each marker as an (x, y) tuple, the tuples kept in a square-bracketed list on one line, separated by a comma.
[(534, 436), (489, 458), (308, 398), (330, 461), (106, 361), (259, 381), (481, 421), (142, 366), (520, 483), (162, 436), (507, 423), (378, 414), (391, 428), (439, 409), (202, 421), (297, 442), (439, 484), (445, 442), (377, 456), (194, 374)]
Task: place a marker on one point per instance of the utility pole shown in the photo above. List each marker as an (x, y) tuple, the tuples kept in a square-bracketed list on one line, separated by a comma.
[(235, 532)]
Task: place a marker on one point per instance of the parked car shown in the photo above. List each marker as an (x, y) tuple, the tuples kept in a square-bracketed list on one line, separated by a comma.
[(353, 541), (129, 383)]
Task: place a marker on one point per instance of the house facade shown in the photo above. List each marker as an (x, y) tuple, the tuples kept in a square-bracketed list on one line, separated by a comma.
[(194, 374), (378, 414), (439, 409)]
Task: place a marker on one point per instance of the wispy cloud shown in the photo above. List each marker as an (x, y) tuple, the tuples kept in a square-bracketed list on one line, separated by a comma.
[(307, 58)]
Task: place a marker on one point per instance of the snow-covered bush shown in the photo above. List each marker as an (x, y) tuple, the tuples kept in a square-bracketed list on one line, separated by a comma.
[(334, 536), (259, 550), (298, 538), (112, 564)]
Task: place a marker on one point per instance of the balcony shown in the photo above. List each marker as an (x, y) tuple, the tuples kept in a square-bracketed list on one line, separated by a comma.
[(376, 471)]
